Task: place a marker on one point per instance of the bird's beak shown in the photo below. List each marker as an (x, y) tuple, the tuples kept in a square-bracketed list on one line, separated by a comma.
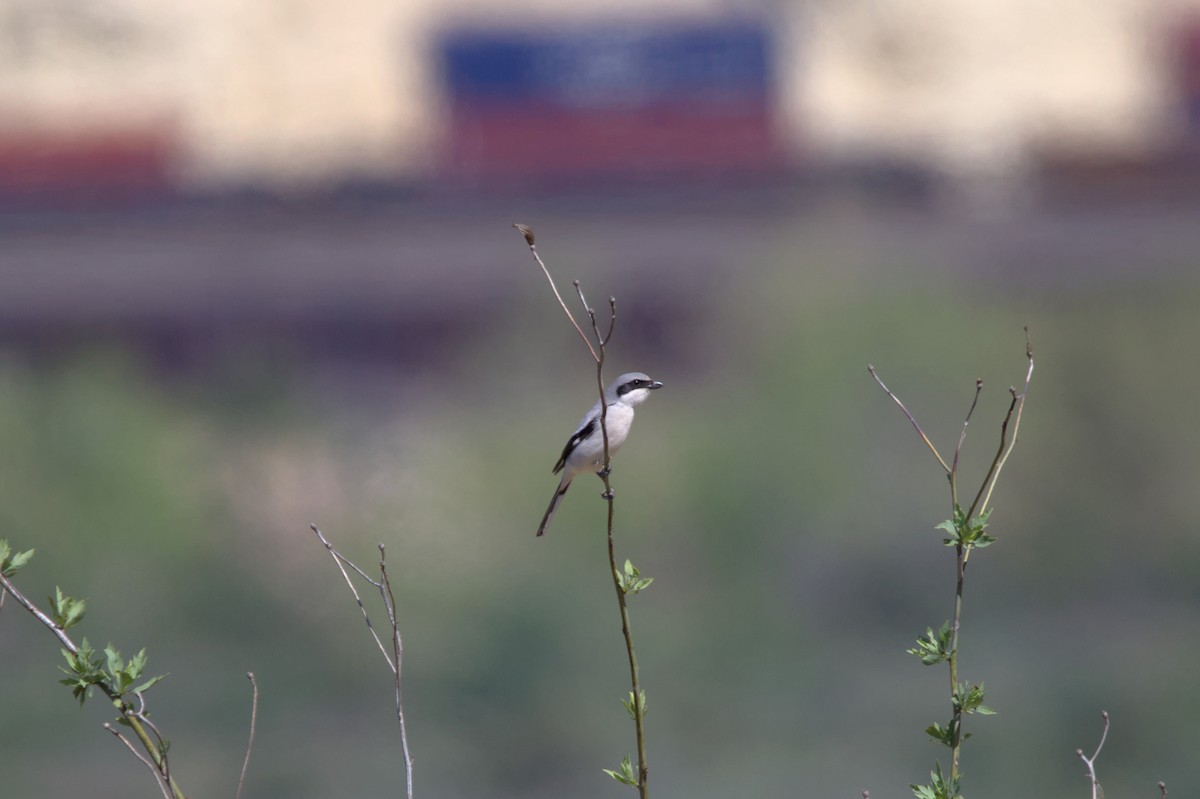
[(655, 384)]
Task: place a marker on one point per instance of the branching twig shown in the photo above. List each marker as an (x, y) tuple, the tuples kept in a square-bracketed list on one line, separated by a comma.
[(389, 602), (598, 355), (396, 657), (339, 559), (140, 715), (1019, 399), (253, 724), (966, 533), (1090, 762), (527, 232), (47, 622), (138, 721), (158, 778)]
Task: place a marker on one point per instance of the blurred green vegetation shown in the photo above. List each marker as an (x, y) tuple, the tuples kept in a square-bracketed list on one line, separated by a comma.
[(783, 505)]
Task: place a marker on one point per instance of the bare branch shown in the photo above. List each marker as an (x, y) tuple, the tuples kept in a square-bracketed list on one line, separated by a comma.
[(1090, 762), (396, 658), (916, 426), (47, 622), (158, 777), (339, 559), (612, 320), (1018, 400), (389, 600), (587, 309), (527, 232), (961, 438), (253, 724)]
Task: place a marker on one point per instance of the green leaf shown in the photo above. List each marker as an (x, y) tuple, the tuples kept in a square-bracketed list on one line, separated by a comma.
[(983, 541), (943, 735), (115, 664), (631, 580), (10, 564), (83, 672), (933, 648), (136, 664), (148, 684), (631, 708), (17, 561), (969, 699), (625, 775), (66, 611), (938, 788)]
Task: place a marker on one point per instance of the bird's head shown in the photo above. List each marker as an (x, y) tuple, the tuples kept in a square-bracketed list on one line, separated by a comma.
[(632, 388)]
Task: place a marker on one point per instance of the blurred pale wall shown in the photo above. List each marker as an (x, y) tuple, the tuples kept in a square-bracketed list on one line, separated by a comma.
[(291, 91), (974, 82)]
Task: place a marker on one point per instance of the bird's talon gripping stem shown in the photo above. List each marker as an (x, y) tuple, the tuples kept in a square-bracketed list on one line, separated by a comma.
[(607, 494), (604, 473)]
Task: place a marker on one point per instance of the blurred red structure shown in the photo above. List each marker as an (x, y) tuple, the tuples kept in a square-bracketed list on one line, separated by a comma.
[(62, 166)]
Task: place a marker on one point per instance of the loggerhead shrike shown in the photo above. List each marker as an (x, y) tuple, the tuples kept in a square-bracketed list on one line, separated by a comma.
[(584, 451)]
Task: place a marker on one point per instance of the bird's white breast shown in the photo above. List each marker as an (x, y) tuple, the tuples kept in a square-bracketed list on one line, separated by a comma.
[(589, 454)]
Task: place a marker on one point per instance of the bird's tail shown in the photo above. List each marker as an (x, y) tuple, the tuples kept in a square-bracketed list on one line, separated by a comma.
[(558, 495)]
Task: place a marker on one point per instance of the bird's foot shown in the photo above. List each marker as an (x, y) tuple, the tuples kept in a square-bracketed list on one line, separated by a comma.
[(607, 494), (604, 473)]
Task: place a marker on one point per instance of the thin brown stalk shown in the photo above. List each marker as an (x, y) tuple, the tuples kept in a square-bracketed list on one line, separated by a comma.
[(598, 355), (1020, 398), (961, 438), (398, 654), (980, 503), (1090, 762), (527, 232), (395, 659), (911, 419), (339, 559), (253, 724), (158, 778)]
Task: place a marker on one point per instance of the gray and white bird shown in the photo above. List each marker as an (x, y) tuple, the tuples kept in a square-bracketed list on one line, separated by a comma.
[(584, 451)]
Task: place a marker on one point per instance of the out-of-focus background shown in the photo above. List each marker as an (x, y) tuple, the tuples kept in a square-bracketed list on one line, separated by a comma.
[(258, 272)]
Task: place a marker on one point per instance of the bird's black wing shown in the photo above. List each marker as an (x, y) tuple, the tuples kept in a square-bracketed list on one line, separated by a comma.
[(579, 435)]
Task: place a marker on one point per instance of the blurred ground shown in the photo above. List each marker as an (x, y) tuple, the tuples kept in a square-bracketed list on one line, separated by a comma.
[(184, 388)]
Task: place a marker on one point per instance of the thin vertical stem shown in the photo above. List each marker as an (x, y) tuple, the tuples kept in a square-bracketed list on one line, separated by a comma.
[(626, 631), (598, 355), (398, 658), (961, 438), (956, 748), (253, 725)]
